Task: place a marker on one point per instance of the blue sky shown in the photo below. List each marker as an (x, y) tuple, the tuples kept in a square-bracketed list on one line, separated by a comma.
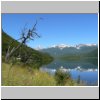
[(54, 28)]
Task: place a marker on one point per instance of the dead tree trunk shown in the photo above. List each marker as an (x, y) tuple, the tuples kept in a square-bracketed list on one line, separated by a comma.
[(10, 53), (13, 50), (31, 34)]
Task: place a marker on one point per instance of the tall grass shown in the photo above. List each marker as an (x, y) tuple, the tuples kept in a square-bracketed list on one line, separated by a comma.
[(20, 75), (23, 76)]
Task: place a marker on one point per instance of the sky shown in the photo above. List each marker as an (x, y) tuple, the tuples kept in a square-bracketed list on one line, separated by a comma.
[(54, 29)]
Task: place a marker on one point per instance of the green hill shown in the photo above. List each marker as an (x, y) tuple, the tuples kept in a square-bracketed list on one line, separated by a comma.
[(36, 58), (91, 57), (93, 53)]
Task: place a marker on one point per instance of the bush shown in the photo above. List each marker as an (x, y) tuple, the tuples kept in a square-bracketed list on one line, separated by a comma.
[(62, 77)]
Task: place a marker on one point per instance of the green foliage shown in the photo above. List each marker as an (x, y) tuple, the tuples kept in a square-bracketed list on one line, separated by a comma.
[(27, 55), (61, 77), (6, 40), (78, 79)]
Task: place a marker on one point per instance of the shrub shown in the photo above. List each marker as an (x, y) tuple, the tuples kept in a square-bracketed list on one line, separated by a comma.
[(62, 77)]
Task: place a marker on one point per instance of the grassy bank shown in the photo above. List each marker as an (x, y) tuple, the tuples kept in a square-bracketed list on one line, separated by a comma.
[(23, 76), (20, 75)]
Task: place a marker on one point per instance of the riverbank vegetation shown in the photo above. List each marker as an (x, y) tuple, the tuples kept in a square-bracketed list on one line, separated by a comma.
[(21, 75), (22, 69)]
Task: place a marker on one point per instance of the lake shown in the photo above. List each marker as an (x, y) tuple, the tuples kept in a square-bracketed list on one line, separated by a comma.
[(87, 71)]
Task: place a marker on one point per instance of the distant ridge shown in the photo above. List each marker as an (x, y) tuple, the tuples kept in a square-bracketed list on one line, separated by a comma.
[(62, 46), (63, 49)]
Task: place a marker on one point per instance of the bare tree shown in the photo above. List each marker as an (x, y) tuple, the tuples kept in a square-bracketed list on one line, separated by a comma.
[(30, 34)]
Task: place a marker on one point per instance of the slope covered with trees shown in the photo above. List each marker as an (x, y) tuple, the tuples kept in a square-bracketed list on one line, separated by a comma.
[(26, 54)]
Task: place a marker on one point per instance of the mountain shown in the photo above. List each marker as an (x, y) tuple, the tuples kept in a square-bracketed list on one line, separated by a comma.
[(63, 49), (93, 53), (37, 58)]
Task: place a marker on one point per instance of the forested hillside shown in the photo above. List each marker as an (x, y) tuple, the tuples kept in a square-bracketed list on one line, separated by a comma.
[(27, 54)]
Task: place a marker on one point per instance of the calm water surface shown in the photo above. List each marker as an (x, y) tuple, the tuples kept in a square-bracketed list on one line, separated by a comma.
[(88, 71)]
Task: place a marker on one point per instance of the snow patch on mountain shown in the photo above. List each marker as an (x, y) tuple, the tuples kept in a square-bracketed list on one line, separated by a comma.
[(62, 46), (39, 47), (82, 45)]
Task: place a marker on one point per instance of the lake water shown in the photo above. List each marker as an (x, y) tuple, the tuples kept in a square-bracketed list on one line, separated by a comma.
[(87, 71)]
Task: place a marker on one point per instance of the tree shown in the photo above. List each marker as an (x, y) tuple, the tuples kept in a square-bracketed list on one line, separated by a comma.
[(62, 77), (78, 79), (29, 34)]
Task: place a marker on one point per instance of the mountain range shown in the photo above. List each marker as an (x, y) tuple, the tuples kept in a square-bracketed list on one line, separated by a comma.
[(63, 49)]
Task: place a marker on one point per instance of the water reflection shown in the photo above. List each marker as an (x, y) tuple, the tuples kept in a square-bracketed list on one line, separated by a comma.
[(70, 64), (87, 71), (68, 70)]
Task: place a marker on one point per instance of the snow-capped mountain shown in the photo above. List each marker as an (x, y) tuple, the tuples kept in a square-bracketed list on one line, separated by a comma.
[(39, 47), (83, 45), (63, 49), (60, 46)]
